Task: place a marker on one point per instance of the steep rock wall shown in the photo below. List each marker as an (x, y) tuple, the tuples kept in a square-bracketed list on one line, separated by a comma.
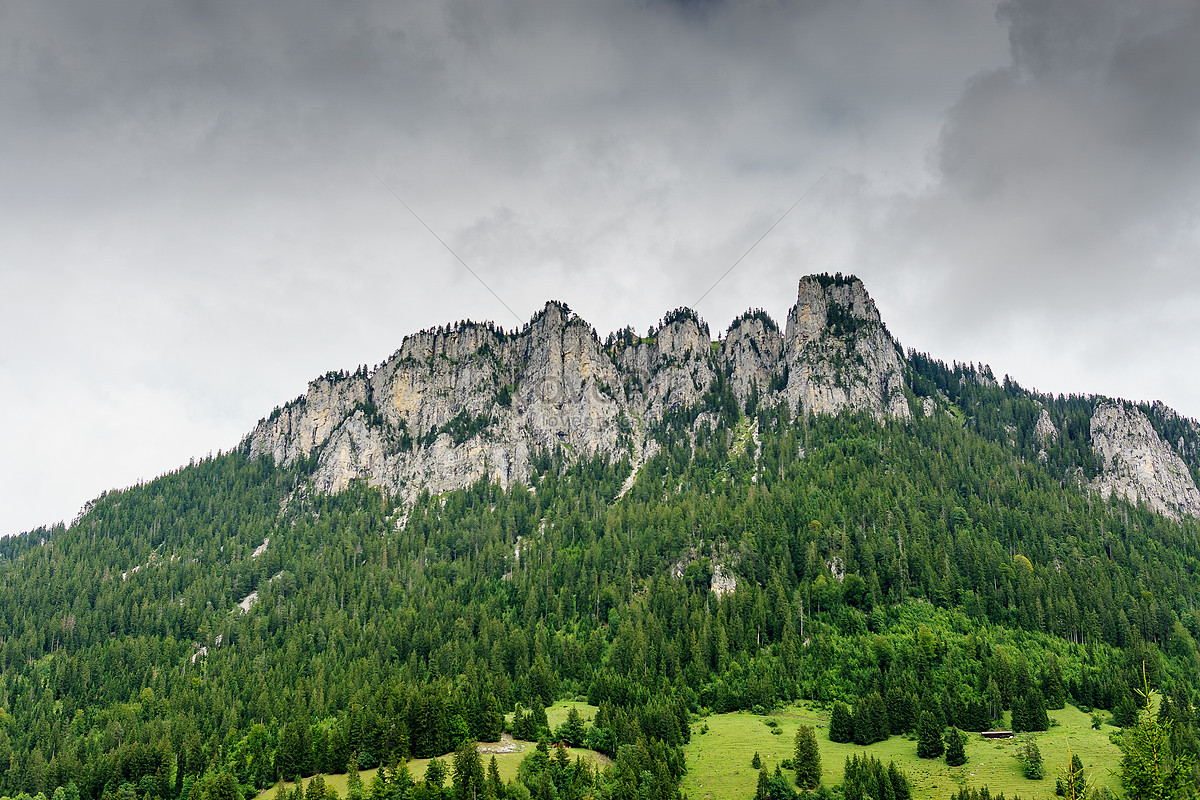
[(1135, 463), (457, 404)]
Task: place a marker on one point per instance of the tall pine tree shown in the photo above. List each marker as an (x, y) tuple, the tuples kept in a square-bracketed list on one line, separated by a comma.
[(807, 758)]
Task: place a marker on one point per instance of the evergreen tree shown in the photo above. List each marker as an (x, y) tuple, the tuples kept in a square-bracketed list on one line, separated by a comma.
[(763, 790), (1150, 768), (495, 784), (806, 758), (1072, 783), (435, 773), (572, 732), (1036, 718), (1053, 688), (899, 782), (1031, 760), (929, 736), (468, 778), (870, 720), (1020, 715), (901, 717), (756, 762), (866, 777), (316, 788), (354, 784), (1125, 710), (841, 724), (955, 742)]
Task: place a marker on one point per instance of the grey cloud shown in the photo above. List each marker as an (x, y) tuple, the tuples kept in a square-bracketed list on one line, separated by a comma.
[(190, 222), (1059, 235)]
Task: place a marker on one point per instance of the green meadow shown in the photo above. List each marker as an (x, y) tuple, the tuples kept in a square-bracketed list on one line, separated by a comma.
[(719, 760)]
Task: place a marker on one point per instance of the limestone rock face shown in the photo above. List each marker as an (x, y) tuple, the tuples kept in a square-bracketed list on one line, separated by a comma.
[(753, 354), (1046, 432), (672, 371), (307, 423), (838, 353), (460, 403), (1136, 463)]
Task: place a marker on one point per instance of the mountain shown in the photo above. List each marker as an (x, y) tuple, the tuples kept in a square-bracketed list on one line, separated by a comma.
[(666, 526), (469, 401)]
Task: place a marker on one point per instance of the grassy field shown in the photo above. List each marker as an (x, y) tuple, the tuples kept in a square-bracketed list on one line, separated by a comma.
[(719, 760), (506, 762)]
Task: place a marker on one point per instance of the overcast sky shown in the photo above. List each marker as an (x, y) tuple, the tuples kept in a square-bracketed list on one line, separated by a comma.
[(196, 213)]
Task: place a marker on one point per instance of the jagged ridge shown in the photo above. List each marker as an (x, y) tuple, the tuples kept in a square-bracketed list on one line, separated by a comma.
[(457, 404)]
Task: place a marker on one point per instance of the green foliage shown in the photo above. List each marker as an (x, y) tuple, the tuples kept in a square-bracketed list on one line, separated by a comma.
[(841, 724), (878, 568), (955, 741), (573, 732), (461, 428), (773, 787), (870, 720), (754, 314), (1031, 760), (866, 777), (1072, 782), (682, 314), (981, 793), (807, 758), (929, 735), (1151, 767)]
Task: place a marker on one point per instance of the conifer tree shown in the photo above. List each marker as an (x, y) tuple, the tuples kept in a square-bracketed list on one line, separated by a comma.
[(899, 711), (841, 724), (807, 758), (316, 788), (468, 776), (929, 736), (1150, 769), (435, 773), (899, 782), (954, 741), (1031, 760), (763, 791), (1036, 718), (495, 784), (1020, 715)]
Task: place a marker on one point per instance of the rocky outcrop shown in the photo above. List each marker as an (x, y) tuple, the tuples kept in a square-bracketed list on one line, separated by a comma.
[(672, 369), (1136, 464), (838, 353), (752, 354), (469, 401), (1044, 428)]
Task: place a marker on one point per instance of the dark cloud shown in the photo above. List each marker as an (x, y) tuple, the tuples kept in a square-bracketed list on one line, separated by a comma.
[(1063, 216), (192, 226)]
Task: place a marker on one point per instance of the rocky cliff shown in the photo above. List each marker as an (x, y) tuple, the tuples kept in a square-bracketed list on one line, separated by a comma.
[(455, 404), (1137, 464), (468, 401)]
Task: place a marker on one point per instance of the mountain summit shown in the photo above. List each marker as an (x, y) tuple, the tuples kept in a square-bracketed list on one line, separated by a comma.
[(469, 401)]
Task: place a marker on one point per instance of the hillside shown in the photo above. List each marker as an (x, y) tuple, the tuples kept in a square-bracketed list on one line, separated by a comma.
[(665, 525)]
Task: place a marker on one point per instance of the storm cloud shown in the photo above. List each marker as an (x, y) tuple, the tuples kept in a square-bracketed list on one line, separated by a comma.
[(196, 210)]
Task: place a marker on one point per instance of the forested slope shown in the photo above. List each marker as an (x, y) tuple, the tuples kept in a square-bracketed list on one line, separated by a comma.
[(229, 620)]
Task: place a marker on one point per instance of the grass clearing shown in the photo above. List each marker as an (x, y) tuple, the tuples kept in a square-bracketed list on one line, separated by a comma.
[(719, 761)]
